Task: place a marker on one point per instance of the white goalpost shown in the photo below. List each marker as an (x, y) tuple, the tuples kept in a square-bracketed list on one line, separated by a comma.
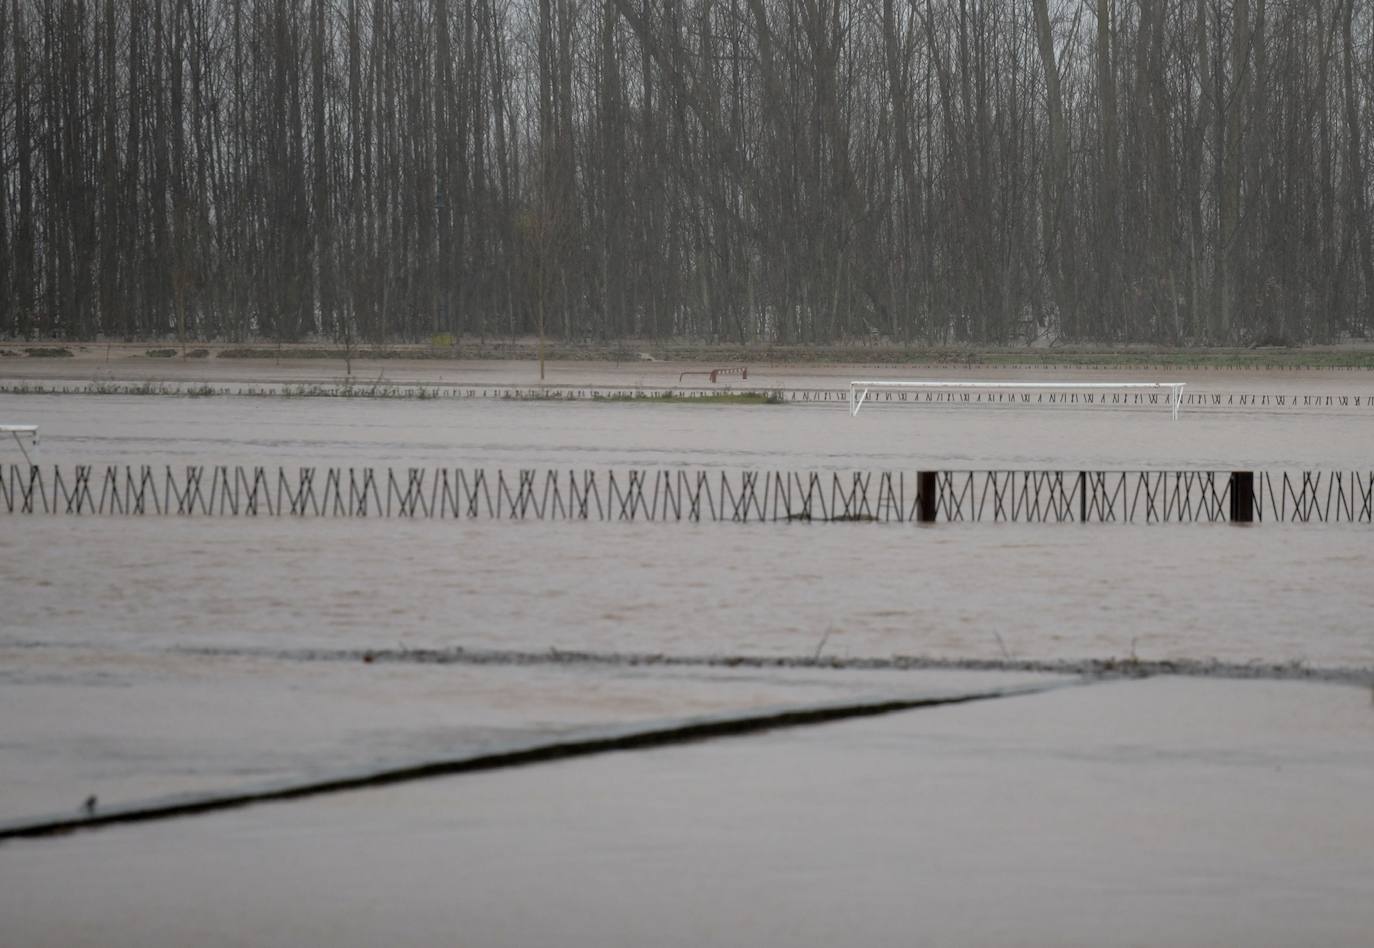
[(16, 431), (859, 390)]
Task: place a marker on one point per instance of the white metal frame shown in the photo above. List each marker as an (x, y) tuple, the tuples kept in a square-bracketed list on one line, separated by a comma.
[(16, 431), (858, 391)]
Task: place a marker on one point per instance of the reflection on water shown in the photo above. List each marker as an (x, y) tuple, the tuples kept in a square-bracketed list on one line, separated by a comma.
[(99, 430), (107, 685), (1270, 593), (107, 624)]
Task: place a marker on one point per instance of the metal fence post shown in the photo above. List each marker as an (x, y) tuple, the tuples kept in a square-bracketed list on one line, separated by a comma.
[(926, 491), (1242, 496)]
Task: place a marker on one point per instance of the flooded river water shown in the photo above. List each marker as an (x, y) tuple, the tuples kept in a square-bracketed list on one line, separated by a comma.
[(1275, 593), (142, 657)]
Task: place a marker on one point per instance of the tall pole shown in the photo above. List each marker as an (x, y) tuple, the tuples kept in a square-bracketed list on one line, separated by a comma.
[(543, 281), (439, 272)]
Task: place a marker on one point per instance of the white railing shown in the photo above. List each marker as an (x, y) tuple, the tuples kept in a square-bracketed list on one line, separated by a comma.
[(858, 391)]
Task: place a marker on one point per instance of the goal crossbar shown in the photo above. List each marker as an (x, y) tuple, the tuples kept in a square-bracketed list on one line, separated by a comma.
[(16, 430), (858, 390)]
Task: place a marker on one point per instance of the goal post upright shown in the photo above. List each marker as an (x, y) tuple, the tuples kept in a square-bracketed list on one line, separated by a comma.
[(16, 431)]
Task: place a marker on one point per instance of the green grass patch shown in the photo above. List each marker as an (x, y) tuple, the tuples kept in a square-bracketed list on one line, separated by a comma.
[(321, 352), (48, 352), (161, 353), (710, 398)]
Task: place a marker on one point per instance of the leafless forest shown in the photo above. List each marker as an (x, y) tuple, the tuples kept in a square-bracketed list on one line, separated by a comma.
[(1167, 171)]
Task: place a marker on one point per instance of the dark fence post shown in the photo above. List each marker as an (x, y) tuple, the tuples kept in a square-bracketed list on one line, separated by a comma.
[(926, 491), (1082, 496), (1242, 496)]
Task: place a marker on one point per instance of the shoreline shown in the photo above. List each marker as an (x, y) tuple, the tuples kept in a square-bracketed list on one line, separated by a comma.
[(27, 357), (419, 372)]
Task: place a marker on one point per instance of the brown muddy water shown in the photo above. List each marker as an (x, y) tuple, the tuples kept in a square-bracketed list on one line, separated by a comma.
[(142, 657), (1273, 593), (1166, 812)]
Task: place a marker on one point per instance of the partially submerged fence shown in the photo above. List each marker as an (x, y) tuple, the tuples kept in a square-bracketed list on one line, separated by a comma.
[(1344, 402), (674, 495)]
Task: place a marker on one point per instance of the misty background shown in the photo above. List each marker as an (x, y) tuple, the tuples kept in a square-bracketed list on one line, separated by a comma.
[(783, 171)]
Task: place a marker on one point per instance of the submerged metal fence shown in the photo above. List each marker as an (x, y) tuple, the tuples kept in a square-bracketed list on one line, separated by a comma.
[(674, 495), (1344, 402)]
